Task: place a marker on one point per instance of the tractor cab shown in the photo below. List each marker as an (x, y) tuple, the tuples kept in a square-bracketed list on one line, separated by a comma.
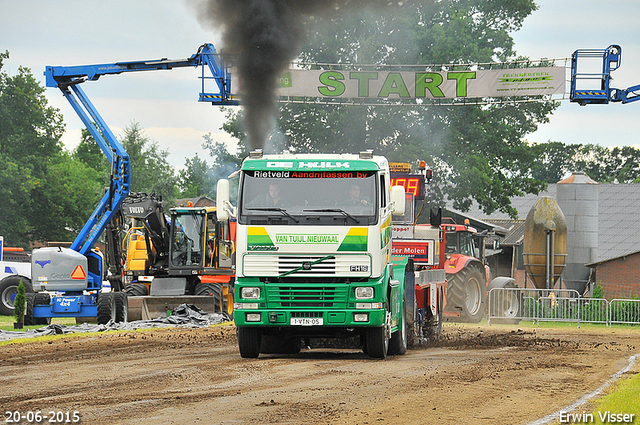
[(461, 239)]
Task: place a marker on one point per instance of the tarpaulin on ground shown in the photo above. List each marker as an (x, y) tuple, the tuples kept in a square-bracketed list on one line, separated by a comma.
[(185, 316)]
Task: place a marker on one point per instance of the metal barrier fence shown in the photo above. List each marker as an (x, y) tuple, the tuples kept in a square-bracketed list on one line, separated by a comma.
[(560, 305), (624, 311)]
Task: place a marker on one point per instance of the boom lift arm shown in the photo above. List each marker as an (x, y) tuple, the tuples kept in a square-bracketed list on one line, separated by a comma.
[(78, 272), (68, 80)]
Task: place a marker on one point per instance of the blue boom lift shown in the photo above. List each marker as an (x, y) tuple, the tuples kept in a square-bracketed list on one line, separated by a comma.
[(591, 77), (75, 275)]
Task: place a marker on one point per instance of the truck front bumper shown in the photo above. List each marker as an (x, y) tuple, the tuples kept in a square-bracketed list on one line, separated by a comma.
[(265, 317)]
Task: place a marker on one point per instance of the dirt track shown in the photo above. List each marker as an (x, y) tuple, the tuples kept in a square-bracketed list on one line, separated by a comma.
[(476, 374)]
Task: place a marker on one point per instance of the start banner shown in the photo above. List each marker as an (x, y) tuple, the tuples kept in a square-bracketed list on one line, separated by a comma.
[(392, 85)]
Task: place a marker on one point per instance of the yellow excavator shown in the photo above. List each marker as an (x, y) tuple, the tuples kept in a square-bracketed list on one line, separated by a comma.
[(187, 257)]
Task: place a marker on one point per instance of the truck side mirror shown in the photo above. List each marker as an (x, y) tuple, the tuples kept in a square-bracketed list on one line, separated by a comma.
[(222, 200), (397, 198)]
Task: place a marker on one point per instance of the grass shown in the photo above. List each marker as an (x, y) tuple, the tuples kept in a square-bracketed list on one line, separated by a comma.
[(549, 325), (623, 400), (6, 323)]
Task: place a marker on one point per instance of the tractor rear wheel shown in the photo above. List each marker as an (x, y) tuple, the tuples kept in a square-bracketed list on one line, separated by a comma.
[(467, 294), (506, 306)]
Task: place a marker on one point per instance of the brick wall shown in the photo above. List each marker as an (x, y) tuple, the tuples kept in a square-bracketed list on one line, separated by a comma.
[(620, 278)]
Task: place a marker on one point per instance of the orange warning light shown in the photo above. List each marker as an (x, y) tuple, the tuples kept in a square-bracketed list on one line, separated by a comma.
[(78, 273)]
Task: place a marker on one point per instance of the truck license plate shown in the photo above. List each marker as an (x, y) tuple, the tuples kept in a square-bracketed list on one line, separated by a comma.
[(306, 321)]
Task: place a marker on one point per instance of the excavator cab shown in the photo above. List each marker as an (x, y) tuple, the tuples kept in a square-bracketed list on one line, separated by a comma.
[(200, 244)]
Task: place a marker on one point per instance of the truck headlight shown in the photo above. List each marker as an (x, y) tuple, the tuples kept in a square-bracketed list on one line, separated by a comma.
[(364, 292), (361, 317), (253, 317), (250, 293)]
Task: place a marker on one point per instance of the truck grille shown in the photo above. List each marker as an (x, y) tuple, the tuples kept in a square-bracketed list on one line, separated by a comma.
[(326, 267), (265, 265), (307, 314), (306, 296)]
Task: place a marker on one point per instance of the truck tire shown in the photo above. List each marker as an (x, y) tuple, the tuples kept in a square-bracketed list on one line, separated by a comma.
[(42, 298), (377, 339), (136, 289), (28, 309), (399, 339), (377, 342), (211, 290), (467, 295), (122, 306), (106, 308), (8, 291), (249, 340)]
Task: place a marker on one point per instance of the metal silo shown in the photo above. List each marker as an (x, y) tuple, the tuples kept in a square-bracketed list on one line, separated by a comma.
[(578, 196), (545, 242)]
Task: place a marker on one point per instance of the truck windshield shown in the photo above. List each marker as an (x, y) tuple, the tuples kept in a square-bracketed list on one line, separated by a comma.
[(309, 198)]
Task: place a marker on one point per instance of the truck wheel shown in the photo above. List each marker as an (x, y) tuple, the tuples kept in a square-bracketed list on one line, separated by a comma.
[(106, 308), (122, 306), (467, 295), (8, 291), (42, 298), (28, 309), (398, 342), (211, 290), (249, 342), (136, 289), (378, 340)]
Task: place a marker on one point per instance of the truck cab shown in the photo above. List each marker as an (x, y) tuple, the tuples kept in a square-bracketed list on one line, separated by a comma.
[(314, 250)]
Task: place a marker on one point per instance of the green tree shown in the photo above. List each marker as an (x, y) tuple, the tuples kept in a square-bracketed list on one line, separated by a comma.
[(477, 152), (19, 303), (89, 153), (150, 170), (224, 162), (196, 179), (30, 132), (554, 160), (68, 198)]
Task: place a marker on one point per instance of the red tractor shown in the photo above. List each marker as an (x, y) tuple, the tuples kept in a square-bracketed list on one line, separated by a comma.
[(459, 251), (467, 275)]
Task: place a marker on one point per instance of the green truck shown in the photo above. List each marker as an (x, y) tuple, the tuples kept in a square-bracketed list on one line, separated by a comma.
[(313, 253)]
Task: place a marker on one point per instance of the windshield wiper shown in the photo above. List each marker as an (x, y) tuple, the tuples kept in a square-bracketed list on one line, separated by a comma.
[(307, 265), (280, 210), (338, 210)]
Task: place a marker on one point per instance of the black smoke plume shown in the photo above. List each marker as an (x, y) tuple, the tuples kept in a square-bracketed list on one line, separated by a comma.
[(264, 36)]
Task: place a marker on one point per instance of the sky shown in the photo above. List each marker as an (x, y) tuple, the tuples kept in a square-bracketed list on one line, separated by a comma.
[(38, 33)]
